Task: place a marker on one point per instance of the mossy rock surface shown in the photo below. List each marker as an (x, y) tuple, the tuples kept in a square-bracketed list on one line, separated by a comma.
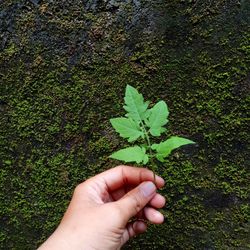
[(64, 66)]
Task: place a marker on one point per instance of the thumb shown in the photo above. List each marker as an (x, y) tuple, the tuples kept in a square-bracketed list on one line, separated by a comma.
[(136, 200)]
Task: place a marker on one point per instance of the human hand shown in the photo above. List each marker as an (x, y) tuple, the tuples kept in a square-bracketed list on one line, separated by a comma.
[(98, 216)]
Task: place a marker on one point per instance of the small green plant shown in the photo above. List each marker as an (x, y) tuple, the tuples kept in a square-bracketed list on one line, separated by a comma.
[(140, 124)]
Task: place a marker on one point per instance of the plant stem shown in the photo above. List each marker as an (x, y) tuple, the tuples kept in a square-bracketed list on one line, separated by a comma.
[(147, 140)]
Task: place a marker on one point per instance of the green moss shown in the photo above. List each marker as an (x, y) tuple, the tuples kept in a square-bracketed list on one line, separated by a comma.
[(63, 75)]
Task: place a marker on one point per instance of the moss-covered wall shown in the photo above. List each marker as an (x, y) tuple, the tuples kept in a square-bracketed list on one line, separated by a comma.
[(64, 66)]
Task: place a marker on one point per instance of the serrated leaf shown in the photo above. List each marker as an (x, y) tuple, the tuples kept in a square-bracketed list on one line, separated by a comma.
[(135, 106), (131, 154), (163, 149), (127, 128), (157, 118)]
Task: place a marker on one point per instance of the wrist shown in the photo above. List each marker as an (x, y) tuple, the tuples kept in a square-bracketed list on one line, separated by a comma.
[(66, 240)]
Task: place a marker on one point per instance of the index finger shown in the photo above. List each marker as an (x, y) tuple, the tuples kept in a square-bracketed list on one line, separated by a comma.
[(124, 175)]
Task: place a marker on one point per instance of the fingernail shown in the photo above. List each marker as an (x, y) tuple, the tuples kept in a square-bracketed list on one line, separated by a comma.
[(148, 188)]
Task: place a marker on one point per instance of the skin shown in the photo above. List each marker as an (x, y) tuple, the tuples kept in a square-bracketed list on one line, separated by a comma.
[(100, 212)]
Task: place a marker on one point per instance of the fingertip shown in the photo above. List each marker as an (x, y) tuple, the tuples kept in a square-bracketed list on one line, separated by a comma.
[(153, 215), (159, 181), (139, 227), (158, 201), (133, 229)]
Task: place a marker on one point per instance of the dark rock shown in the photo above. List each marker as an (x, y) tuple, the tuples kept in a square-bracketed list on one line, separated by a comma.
[(35, 2), (217, 200)]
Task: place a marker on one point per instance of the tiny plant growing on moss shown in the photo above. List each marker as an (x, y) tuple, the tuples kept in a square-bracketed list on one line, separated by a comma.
[(141, 124)]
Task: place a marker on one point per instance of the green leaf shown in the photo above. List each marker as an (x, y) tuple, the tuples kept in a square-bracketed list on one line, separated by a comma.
[(163, 149), (127, 128), (158, 118), (131, 154), (135, 105)]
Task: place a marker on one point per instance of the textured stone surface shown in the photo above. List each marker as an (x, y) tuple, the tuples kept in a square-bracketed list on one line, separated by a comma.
[(64, 66)]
